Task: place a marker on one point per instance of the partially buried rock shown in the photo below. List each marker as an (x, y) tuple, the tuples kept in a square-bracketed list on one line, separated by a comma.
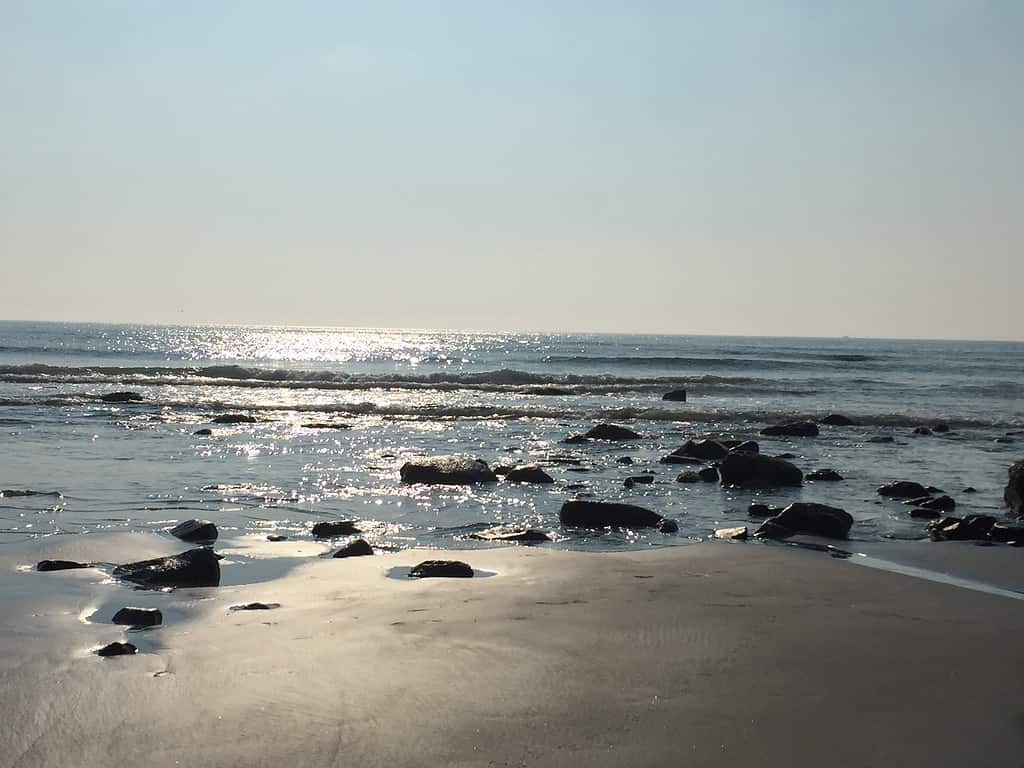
[(824, 475), (447, 470), (838, 420), (754, 470), (624, 460), (450, 569), (139, 617), (59, 565), (611, 432), (609, 514), (687, 477), (507, 533), (121, 397), (205, 432), (1013, 495), (629, 482), (195, 530), (903, 489), (969, 489), (736, 534), (117, 649), (194, 568), (357, 548), (332, 528), (233, 418), (528, 473), (792, 429), (809, 518), (708, 474), (675, 396)]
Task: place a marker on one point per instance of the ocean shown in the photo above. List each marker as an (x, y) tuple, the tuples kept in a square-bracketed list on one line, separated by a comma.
[(503, 397)]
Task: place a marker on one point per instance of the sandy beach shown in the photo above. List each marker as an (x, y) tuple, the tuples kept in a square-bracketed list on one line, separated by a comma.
[(715, 654)]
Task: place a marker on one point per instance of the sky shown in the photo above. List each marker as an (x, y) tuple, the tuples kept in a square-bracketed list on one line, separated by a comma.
[(754, 168)]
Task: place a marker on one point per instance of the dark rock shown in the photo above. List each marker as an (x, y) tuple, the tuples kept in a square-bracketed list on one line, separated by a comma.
[(326, 425), (824, 475), (792, 429), (139, 617), (941, 427), (675, 396), (60, 565), (969, 489), (194, 530), (748, 446), (624, 460), (607, 514), (528, 473), (805, 517), (838, 420), (881, 439), (708, 474), (687, 477), (1007, 533), (933, 489), (675, 458), (939, 504), (332, 528), (121, 397), (916, 501), (668, 526), (629, 482), (117, 649), (970, 528), (575, 486), (233, 418), (575, 440), (903, 489), (254, 607), (762, 510), (506, 533), (447, 470), (277, 537), (357, 548), (787, 456), (611, 432), (205, 432), (12, 494), (753, 470), (578, 469), (1005, 440), (551, 391), (451, 569), (922, 431), (707, 450), (1013, 495), (194, 568), (925, 514), (736, 534), (502, 469), (563, 460)]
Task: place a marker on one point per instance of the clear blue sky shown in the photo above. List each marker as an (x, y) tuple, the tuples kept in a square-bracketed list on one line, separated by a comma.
[(793, 168)]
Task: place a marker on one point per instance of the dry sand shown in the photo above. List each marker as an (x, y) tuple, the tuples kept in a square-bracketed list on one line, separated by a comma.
[(709, 655)]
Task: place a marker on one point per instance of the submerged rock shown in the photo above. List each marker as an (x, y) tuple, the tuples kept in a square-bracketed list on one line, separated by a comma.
[(117, 649), (138, 617), (611, 432), (1013, 495), (11, 493), (762, 510), (450, 569), (357, 548), (60, 565), (922, 431), (925, 514), (736, 534), (549, 391), (825, 475), (508, 533), (332, 528), (194, 530), (808, 518), (608, 514), (838, 420), (233, 418), (194, 568), (528, 473), (629, 482), (204, 432), (121, 397), (903, 489), (938, 504), (881, 439), (792, 429), (624, 460), (675, 396), (754, 470), (447, 470), (941, 427)]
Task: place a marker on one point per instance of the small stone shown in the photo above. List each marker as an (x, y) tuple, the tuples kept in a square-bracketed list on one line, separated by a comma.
[(925, 514), (233, 418), (138, 617), (611, 432), (906, 489), (507, 533), (528, 473), (121, 397), (117, 649), (326, 425), (447, 470), (838, 420), (452, 569), (922, 431), (969, 489), (792, 429), (624, 460), (737, 534), (194, 568), (881, 439)]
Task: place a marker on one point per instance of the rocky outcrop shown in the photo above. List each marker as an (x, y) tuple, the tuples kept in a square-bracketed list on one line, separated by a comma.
[(508, 533), (903, 489), (357, 548), (675, 396), (808, 518), (277, 537), (121, 397), (447, 470), (838, 420), (754, 470), (450, 569), (792, 429), (824, 475), (528, 473), (194, 530), (194, 568), (233, 418), (60, 565), (1014, 493), (332, 528), (1007, 533), (611, 432), (607, 514), (117, 649), (138, 617)]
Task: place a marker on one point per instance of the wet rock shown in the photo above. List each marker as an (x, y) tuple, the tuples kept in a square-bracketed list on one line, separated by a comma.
[(808, 518), (838, 420), (941, 427), (117, 649), (675, 396), (357, 548), (1004, 440), (502, 469), (575, 440), (194, 568), (447, 470), (205, 432), (787, 456), (60, 565), (629, 482), (10, 493), (881, 439), (326, 425), (507, 533), (450, 569), (922, 431), (736, 534), (747, 446), (333, 528), (528, 473), (903, 489), (122, 397), (668, 526), (607, 514), (1006, 533), (825, 475), (708, 474), (233, 418), (706, 450), (139, 617), (194, 530), (575, 486), (939, 504), (762, 510), (969, 489), (277, 537), (754, 470), (611, 432), (677, 458), (925, 514), (1013, 495), (550, 391), (624, 460), (688, 477), (970, 528), (792, 429), (254, 607), (933, 489)]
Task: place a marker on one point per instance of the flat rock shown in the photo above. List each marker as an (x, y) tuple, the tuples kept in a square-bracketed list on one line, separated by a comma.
[(611, 432), (509, 533), (139, 617), (60, 565), (676, 458), (792, 429), (117, 649), (332, 528), (1013, 495), (608, 514), (233, 418), (808, 518), (748, 446), (754, 470), (838, 420), (447, 470), (675, 396), (938, 504), (121, 397), (824, 475), (903, 489), (449, 569), (194, 530), (736, 534), (528, 473), (12, 493), (194, 568), (357, 548)]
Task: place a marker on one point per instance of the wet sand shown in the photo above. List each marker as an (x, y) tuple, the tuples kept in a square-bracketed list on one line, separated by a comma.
[(715, 654)]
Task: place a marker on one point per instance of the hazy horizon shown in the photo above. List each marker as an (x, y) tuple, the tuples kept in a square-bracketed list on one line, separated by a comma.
[(726, 169)]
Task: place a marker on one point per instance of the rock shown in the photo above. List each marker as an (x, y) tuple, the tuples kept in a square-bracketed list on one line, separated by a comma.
[(754, 470), (809, 518), (233, 418), (1006, 533), (629, 482), (1004, 440), (792, 429), (447, 470), (738, 534), (611, 432), (939, 504), (254, 607), (624, 460), (706, 450), (1014, 493), (933, 489), (194, 530), (357, 548), (277, 537), (668, 526), (922, 431), (60, 565), (970, 528), (607, 514), (763, 510), (13, 494), (969, 489), (528, 473), (786, 456), (675, 396), (575, 440), (708, 474), (903, 489), (506, 533), (838, 420), (575, 486), (881, 439), (747, 446), (925, 514), (332, 528), (825, 475), (676, 458), (551, 391), (451, 569), (117, 649), (502, 469), (688, 477), (121, 397), (205, 432), (139, 617), (326, 425), (194, 568), (941, 427)]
